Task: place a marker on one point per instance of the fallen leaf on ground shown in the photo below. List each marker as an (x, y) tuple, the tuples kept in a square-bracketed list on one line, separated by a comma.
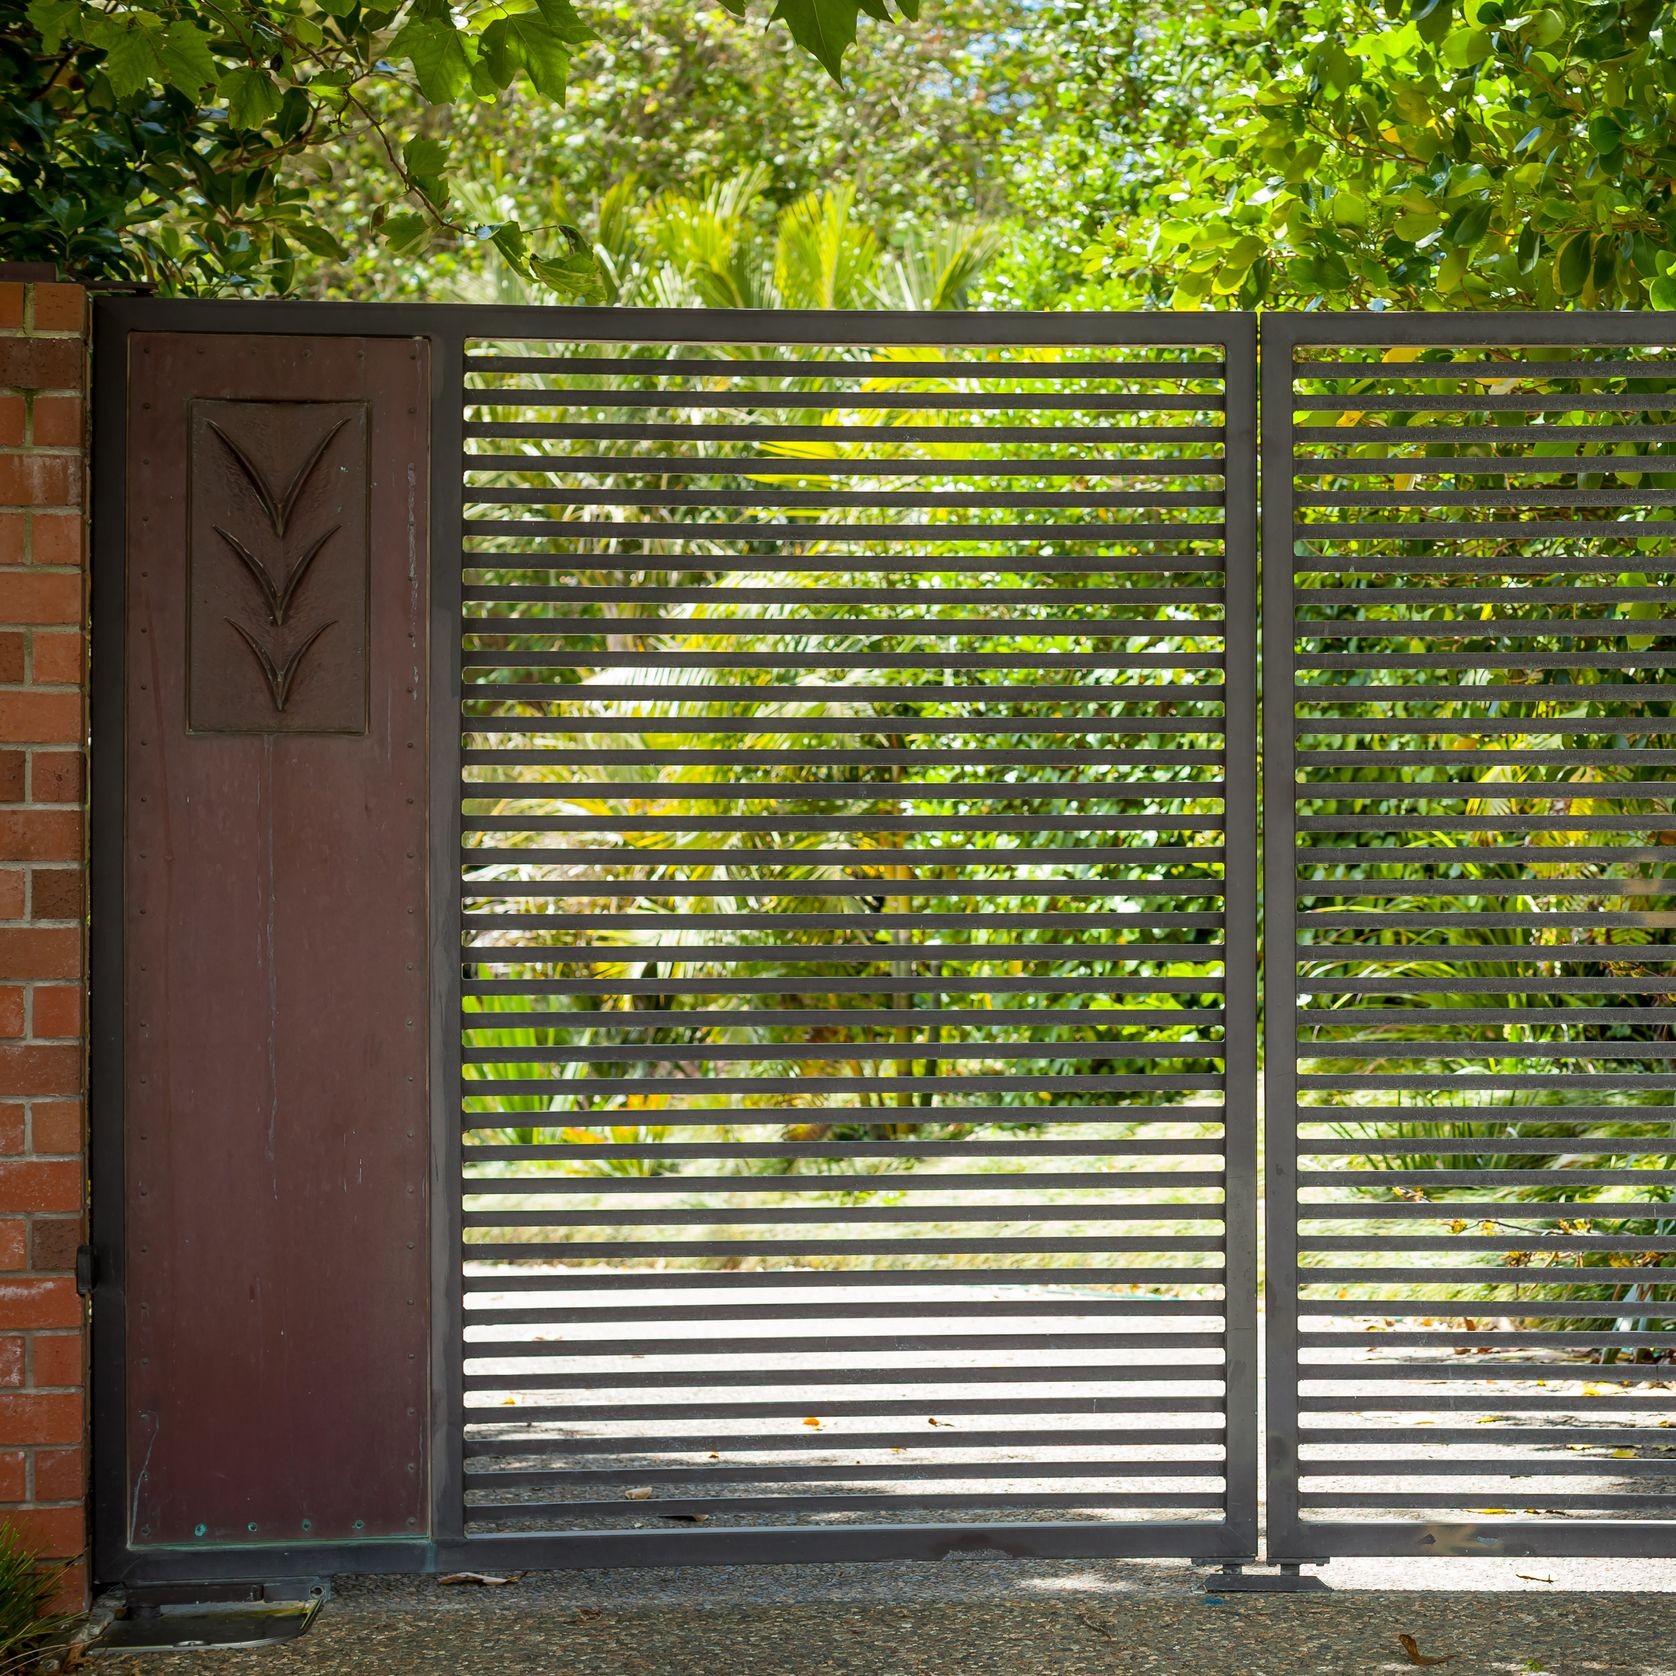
[(812, 1421), (644, 1494), (1412, 1647), (483, 1579), (1525, 1576)]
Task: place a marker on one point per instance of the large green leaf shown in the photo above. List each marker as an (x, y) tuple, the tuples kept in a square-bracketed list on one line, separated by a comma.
[(526, 41), (251, 95), (825, 28), (437, 52), (187, 61), (132, 61)]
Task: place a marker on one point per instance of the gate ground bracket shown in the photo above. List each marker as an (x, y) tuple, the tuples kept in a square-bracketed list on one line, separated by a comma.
[(1286, 1579), (171, 1617)]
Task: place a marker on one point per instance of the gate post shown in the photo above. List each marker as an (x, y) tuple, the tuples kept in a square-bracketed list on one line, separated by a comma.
[(43, 1359)]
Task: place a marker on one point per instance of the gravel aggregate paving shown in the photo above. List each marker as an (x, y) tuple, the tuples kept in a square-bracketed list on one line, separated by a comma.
[(980, 1617)]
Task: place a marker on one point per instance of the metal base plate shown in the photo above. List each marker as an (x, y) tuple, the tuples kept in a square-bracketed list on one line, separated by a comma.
[(174, 1619), (1242, 1582)]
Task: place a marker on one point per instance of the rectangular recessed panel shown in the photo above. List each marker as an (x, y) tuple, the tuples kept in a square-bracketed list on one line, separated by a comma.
[(1471, 1084), (859, 933), (279, 567)]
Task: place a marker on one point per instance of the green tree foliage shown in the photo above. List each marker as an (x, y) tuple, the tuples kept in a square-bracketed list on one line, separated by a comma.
[(1102, 106), (174, 140), (1422, 154), (671, 94)]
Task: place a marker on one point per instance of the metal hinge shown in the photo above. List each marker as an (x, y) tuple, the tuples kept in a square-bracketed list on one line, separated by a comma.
[(87, 1271)]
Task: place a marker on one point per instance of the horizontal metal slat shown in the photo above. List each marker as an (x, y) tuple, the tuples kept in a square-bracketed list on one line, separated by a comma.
[(1091, 530), (938, 1181), (569, 494), (742, 366), (776, 1443), (1082, 464), (705, 1476), (770, 1378), (859, 401), (781, 1018), (947, 1245), (733, 1280), (720, 1506), (1035, 436)]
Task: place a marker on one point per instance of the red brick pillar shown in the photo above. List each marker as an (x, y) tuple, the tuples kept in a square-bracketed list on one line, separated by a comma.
[(43, 1154)]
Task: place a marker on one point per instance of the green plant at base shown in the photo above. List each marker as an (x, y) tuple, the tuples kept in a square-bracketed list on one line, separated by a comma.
[(28, 1621)]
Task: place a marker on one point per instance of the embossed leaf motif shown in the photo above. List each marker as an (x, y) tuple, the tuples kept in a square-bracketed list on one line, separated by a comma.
[(279, 676), (279, 669), (277, 595), (278, 507)]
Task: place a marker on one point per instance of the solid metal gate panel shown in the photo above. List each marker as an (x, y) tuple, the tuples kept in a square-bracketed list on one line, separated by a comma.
[(260, 1096), (859, 916), (1468, 786)]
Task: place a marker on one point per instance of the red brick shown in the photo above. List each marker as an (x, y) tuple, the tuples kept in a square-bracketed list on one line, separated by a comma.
[(57, 1127), (56, 777), (55, 659), (14, 1479), (12, 764), (41, 1417), (58, 308), (40, 596), (56, 422), (56, 538), (13, 413), (29, 952), (71, 1592), (40, 834), (11, 305), (57, 1361), (40, 480), (55, 1013), (52, 1532), (12, 1129), (14, 1239), (35, 1184), (39, 1303), (11, 658), (11, 1367), (11, 892), (40, 718), (52, 1243), (42, 364), (11, 1025), (37, 1070), (55, 893), (12, 526), (60, 1474)]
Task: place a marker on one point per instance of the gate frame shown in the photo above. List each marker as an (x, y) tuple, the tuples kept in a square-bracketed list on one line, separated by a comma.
[(447, 327), (1290, 1539)]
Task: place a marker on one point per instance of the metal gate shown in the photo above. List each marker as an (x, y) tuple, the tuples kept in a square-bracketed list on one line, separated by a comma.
[(675, 936), (841, 1042), (860, 935), (1468, 730)]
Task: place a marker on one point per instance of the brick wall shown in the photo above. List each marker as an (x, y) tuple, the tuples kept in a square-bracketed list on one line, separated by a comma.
[(43, 607)]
